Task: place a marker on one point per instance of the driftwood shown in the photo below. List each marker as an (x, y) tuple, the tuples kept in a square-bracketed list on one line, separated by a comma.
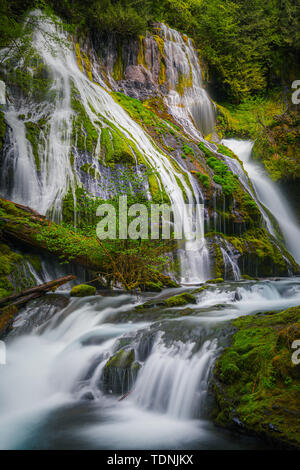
[(126, 395), (34, 292)]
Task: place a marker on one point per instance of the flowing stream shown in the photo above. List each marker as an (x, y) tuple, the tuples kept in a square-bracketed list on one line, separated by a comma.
[(56, 390)]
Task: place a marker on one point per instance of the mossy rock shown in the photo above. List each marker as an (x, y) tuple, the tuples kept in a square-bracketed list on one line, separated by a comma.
[(219, 280), (181, 299), (123, 359), (199, 290), (153, 286), (120, 372), (83, 290)]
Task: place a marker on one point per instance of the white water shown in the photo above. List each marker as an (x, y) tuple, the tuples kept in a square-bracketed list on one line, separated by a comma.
[(42, 390), (2, 93), (192, 108), (269, 194)]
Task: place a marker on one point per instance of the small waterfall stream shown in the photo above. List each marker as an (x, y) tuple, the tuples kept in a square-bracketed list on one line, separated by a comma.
[(270, 195), (187, 100)]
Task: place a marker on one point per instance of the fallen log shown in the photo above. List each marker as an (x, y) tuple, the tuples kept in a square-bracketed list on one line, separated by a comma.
[(40, 290), (11, 303), (21, 225)]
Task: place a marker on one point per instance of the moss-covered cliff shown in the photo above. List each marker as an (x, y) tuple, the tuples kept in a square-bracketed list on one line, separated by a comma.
[(256, 384)]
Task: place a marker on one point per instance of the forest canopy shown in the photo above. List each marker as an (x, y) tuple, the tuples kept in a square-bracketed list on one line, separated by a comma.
[(249, 45)]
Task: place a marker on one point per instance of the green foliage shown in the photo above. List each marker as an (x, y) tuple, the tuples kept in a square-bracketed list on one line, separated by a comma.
[(248, 118), (279, 147), (248, 45)]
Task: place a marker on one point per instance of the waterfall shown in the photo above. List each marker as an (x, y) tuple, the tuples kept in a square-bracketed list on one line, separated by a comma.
[(187, 100), (231, 268), (174, 380), (270, 196), (44, 188)]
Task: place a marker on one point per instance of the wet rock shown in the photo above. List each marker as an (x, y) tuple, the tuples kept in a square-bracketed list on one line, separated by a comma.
[(174, 301), (87, 396), (120, 372)]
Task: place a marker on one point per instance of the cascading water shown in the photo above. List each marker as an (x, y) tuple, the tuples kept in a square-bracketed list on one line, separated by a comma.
[(54, 397), (187, 100), (43, 189), (270, 196)]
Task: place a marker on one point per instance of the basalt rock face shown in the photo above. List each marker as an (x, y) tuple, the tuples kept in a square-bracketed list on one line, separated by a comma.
[(99, 119), (163, 64)]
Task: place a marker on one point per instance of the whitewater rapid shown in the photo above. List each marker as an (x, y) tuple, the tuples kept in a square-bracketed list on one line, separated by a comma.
[(53, 393)]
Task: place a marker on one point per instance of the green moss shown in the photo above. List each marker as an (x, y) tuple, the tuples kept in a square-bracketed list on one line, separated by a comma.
[(35, 261), (122, 151), (184, 82), (223, 175), (137, 110), (7, 315), (208, 153), (123, 359), (33, 135), (153, 286), (83, 290), (215, 281), (204, 179), (255, 379), (85, 134), (245, 119), (118, 69), (9, 261), (188, 151), (199, 290), (90, 170), (106, 145), (278, 147), (181, 299)]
